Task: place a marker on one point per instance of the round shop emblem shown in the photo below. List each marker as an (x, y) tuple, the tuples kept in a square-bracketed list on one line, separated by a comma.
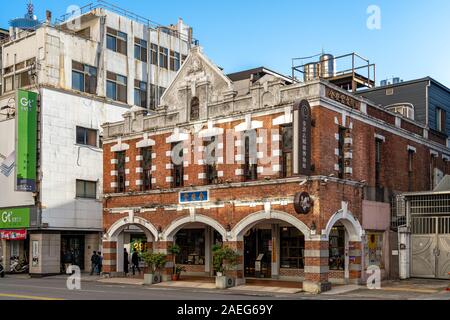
[(303, 203)]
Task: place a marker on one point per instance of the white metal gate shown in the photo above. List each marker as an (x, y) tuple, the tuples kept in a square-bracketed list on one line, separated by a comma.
[(430, 245)]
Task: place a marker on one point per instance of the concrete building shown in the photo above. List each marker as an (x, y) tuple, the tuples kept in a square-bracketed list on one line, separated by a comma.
[(88, 69), (297, 177)]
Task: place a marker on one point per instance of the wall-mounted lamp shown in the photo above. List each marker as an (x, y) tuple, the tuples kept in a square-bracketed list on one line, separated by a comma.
[(313, 226)]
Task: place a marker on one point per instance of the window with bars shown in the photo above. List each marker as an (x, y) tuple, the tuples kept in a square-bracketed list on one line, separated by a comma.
[(163, 57), (341, 160), (86, 136), (146, 168), (140, 49), (120, 157), (140, 93), (286, 149), (116, 87), (84, 77), (440, 119), (378, 145), (195, 109), (116, 41), (174, 60), (86, 189)]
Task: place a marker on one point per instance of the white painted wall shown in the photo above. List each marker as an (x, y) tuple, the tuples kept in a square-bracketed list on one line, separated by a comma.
[(63, 161)]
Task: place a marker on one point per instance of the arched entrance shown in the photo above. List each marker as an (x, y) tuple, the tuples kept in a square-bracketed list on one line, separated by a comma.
[(273, 245), (195, 235), (124, 237), (344, 234)]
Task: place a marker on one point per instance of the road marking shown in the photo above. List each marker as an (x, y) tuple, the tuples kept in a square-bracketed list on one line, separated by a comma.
[(8, 295)]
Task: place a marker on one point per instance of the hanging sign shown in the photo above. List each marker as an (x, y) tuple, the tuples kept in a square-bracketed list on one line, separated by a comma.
[(302, 138), (26, 140)]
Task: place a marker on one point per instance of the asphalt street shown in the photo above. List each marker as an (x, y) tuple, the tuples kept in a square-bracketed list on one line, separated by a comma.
[(14, 287)]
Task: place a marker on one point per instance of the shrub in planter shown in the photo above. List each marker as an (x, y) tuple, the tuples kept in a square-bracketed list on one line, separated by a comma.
[(155, 262), (224, 259), (175, 250), (178, 270)]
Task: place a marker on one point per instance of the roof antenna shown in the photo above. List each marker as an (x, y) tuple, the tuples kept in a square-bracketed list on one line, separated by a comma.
[(30, 9)]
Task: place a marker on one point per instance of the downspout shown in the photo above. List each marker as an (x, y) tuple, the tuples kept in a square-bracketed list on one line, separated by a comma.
[(427, 101)]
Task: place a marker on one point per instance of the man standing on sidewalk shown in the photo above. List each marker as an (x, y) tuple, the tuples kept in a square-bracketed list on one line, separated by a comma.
[(100, 263), (94, 262)]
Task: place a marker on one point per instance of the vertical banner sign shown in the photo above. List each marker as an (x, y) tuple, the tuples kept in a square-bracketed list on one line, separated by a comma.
[(302, 138), (26, 140)]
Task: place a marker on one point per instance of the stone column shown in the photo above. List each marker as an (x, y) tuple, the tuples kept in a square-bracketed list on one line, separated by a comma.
[(208, 249), (109, 256), (162, 247), (238, 272), (354, 261), (316, 266)]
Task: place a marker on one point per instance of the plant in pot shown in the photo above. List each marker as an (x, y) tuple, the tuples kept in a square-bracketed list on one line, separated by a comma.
[(224, 259), (155, 262), (175, 250)]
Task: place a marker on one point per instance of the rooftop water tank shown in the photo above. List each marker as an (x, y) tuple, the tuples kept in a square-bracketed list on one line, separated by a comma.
[(311, 71), (327, 66)]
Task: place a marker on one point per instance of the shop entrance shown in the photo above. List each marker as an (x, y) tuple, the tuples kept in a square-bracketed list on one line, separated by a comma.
[(72, 251), (258, 253)]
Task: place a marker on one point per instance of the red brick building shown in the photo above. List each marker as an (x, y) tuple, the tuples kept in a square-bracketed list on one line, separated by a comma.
[(243, 148)]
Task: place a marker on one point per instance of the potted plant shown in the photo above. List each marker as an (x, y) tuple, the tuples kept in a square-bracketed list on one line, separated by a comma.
[(155, 262), (224, 259), (175, 250), (178, 270)]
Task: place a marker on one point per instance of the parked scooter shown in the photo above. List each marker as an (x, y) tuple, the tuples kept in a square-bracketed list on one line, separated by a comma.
[(18, 266)]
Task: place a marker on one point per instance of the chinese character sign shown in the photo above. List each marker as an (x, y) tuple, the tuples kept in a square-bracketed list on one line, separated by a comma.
[(26, 141)]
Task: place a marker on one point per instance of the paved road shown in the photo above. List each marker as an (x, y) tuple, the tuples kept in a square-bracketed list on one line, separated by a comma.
[(14, 287)]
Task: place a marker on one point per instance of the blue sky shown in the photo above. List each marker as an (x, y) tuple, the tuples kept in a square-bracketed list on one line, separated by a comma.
[(236, 34)]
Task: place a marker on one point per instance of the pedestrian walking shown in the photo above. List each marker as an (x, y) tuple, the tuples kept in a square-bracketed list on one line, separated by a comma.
[(125, 261), (68, 260), (135, 262), (100, 263), (94, 262)]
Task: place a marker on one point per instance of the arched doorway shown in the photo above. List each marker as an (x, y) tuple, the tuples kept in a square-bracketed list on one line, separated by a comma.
[(125, 236), (195, 235), (273, 245), (344, 234)]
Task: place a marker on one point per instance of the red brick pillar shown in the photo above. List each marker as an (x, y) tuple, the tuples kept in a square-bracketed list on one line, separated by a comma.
[(238, 270), (109, 256), (162, 247), (316, 266), (355, 261)]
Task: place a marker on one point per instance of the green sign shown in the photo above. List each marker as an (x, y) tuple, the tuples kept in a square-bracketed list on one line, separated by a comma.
[(26, 141), (14, 218)]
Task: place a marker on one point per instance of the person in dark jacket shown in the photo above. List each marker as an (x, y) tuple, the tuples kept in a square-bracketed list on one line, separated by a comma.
[(94, 262), (100, 263), (125, 261), (135, 262)]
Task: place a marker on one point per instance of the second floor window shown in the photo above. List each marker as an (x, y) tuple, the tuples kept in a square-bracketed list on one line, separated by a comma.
[(146, 168), (86, 189), (211, 161), (116, 87), (116, 41), (87, 136), (410, 170), (174, 60), (195, 109), (341, 160), (440, 120), (84, 78), (178, 168), (163, 57), (120, 156), (140, 93), (286, 149), (140, 49), (250, 165), (378, 144)]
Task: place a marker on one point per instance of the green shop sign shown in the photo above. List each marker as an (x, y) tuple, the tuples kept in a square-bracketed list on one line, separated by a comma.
[(14, 218), (26, 141)]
